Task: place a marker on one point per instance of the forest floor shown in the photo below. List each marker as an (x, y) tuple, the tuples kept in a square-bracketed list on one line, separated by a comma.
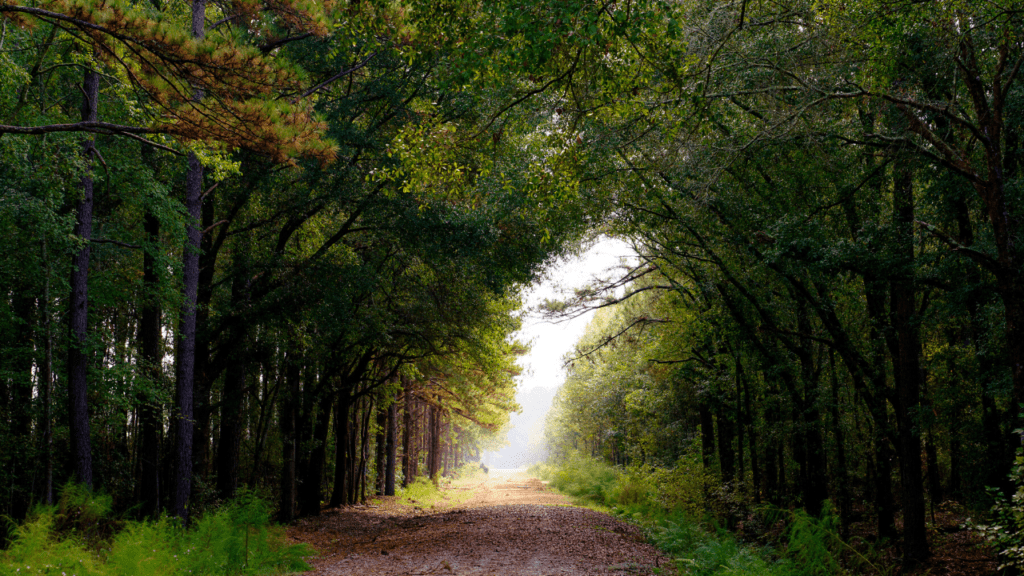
[(505, 523)]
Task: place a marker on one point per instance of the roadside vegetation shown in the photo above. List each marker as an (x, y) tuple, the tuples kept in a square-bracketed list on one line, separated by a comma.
[(682, 519), (79, 536)]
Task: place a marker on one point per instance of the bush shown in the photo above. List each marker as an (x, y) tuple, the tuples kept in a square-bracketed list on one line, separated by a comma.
[(1005, 533), (586, 478), (668, 502), (422, 492), (470, 470), (65, 539)]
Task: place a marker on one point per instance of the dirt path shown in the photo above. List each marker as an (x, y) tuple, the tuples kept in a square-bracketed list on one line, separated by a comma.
[(506, 524)]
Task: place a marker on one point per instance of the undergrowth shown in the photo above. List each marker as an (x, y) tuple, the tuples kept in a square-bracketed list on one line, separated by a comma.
[(680, 518), (78, 537), (421, 492)]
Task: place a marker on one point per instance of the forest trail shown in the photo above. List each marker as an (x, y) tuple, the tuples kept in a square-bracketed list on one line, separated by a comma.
[(505, 524)]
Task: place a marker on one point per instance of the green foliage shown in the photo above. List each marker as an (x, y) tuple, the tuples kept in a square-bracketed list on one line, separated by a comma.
[(1005, 530), (586, 478), (669, 504), (421, 492), (470, 470), (236, 539)]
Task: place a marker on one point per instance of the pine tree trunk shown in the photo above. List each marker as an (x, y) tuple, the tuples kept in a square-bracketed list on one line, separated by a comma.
[(726, 456), (202, 434), (46, 383), (707, 434), (230, 442), (312, 481), (78, 313), (150, 412), (187, 331), (232, 398), (288, 406), (408, 450), (380, 449), (341, 450), (435, 444), (752, 438), (389, 479), (909, 380), (841, 475)]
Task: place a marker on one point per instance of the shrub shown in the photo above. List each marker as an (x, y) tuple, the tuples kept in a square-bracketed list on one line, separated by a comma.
[(66, 539), (1005, 533), (422, 492)]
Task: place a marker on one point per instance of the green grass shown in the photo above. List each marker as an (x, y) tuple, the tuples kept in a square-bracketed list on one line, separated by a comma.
[(78, 537), (422, 492), (671, 505)]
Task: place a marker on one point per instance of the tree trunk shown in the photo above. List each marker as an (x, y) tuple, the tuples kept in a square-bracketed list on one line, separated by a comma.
[(233, 397), (288, 406), (707, 434), (408, 450), (435, 444), (341, 450), (78, 313), (46, 383), (187, 331), (840, 475), (909, 381), (353, 454), (230, 443), (389, 481), (364, 451), (150, 411), (202, 435), (726, 456), (740, 423), (312, 482), (752, 438), (380, 449)]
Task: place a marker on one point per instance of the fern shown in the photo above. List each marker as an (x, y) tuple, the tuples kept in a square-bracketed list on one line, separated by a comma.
[(69, 540)]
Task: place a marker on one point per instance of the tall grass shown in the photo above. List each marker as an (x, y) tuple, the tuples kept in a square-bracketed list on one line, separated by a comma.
[(78, 537), (673, 505)]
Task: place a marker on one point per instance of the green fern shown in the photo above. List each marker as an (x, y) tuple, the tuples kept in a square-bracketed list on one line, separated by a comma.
[(68, 539)]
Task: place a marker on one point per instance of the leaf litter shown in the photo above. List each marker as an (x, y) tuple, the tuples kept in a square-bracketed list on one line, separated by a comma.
[(506, 524)]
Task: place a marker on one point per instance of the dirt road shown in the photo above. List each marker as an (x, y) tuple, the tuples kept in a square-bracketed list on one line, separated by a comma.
[(506, 524)]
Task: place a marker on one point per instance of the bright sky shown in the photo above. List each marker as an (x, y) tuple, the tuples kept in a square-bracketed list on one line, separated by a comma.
[(542, 367)]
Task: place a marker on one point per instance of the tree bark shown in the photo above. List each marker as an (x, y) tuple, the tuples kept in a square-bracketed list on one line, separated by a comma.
[(707, 434), (233, 397), (726, 456), (150, 412), (380, 449), (341, 450), (435, 444), (408, 450), (841, 474), (389, 482), (909, 381), (202, 435), (230, 442), (46, 383), (78, 314), (312, 482), (187, 332), (289, 399)]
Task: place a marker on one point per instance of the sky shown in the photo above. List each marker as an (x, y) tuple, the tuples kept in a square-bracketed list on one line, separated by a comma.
[(542, 366)]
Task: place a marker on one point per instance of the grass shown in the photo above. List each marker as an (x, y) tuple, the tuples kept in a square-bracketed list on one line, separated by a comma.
[(423, 494), (78, 537), (674, 508)]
